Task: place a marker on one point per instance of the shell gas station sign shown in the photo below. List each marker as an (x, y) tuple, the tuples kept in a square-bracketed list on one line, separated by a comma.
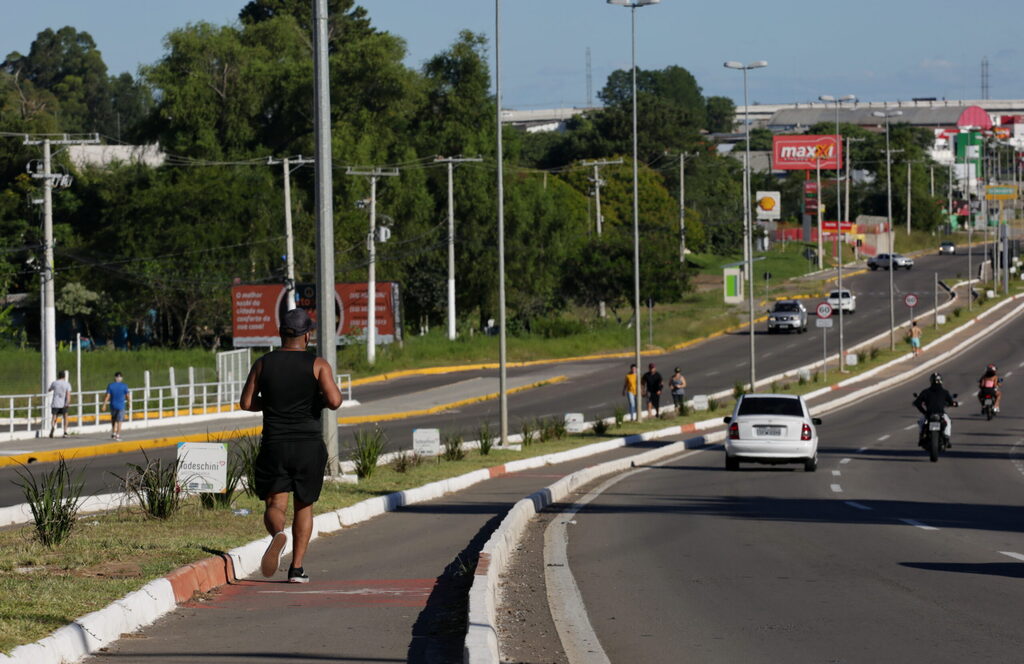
[(768, 205)]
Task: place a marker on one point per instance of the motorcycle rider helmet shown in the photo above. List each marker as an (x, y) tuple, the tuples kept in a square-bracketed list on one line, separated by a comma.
[(990, 370), (935, 378)]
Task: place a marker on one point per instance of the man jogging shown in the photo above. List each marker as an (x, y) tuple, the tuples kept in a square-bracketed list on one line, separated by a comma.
[(291, 388)]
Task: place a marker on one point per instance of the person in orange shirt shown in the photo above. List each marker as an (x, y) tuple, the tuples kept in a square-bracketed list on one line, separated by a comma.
[(629, 391)]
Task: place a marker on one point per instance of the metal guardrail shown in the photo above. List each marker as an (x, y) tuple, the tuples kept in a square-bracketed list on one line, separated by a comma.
[(31, 412)]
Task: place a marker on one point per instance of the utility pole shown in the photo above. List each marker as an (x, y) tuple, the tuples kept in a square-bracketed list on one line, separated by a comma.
[(682, 207), (451, 161), (909, 175), (326, 322), (48, 311), (289, 238), (371, 244), (597, 181)]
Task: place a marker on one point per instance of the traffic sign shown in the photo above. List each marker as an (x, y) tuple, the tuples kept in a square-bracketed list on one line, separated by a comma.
[(910, 300), (824, 310), (824, 322)]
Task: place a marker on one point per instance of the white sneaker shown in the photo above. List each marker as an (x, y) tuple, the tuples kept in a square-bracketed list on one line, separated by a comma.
[(272, 556)]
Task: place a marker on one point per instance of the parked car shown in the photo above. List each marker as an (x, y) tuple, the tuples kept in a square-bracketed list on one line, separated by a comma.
[(787, 315), (844, 299), (897, 260), (947, 248), (771, 428)]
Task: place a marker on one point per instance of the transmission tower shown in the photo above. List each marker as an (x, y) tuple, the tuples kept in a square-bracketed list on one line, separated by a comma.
[(984, 77)]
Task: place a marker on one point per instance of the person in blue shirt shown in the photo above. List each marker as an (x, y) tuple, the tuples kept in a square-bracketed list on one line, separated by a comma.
[(119, 397)]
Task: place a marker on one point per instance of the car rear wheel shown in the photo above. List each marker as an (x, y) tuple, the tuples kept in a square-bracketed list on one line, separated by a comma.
[(731, 463), (811, 465)]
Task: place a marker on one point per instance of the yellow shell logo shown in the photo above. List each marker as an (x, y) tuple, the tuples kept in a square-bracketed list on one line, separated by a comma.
[(767, 203)]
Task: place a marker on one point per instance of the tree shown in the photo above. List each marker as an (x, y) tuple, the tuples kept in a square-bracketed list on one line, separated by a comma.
[(76, 300), (721, 115)]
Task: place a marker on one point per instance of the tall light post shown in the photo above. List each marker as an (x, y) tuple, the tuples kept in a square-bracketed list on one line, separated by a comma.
[(633, 5), (748, 230), (838, 102), (888, 179), (500, 155)]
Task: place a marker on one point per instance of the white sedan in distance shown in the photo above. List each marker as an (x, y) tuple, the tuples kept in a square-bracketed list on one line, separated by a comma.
[(844, 299), (771, 428)]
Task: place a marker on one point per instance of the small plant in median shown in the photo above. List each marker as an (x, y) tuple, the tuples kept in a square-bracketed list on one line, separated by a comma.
[(620, 415), (453, 447), (406, 460), (366, 453), (236, 471), (739, 389), (54, 499), (154, 485), (247, 447), (600, 427), (712, 404), (526, 428), (486, 439)]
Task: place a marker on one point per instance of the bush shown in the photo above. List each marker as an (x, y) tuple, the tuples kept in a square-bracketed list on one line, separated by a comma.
[(620, 415), (558, 428), (816, 377), (956, 312), (486, 439), (453, 447), (246, 450), (369, 446), (155, 486), (683, 410), (775, 387), (54, 499), (712, 404), (545, 432), (874, 352), (554, 328), (739, 389), (406, 460), (600, 427), (526, 428)]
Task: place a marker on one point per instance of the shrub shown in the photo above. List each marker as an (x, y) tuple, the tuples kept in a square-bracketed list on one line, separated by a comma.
[(366, 453), (54, 499), (241, 465), (683, 409), (544, 430), (816, 377), (453, 447), (526, 428), (956, 312), (486, 439), (620, 415), (406, 460), (801, 380), (247, 448), (558, 428), (712, 404), (775, 387), (739, 389), (600, 427), (874, 352), (154, 485)]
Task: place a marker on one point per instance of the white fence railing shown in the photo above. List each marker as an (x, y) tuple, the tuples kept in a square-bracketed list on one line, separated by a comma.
[(149, 404)]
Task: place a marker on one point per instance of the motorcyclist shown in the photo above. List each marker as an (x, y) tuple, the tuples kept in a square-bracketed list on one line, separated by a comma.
[(933, 401), (988, 385)]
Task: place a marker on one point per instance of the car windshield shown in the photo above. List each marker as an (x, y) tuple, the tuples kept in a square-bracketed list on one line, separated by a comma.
[(770, 406), (786, 308), (835, 294)]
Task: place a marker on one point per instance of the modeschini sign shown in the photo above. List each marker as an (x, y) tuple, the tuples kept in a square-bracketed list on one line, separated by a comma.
[(256, 312)]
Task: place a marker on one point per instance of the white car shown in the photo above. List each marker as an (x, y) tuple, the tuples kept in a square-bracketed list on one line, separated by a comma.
[(771, 428), (844, 299)]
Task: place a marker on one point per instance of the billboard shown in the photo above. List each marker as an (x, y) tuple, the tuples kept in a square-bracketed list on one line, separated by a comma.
[(803, 153), (256, 312)]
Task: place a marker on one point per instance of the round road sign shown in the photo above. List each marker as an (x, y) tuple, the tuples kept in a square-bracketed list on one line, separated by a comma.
[(910, 300), (824, 310)]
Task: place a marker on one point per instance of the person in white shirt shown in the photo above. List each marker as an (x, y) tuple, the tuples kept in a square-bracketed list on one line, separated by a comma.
[(61, 389)]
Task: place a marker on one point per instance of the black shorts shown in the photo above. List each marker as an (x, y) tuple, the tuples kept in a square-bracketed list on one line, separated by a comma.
[(987, 392), (59, 411), (298, 467)]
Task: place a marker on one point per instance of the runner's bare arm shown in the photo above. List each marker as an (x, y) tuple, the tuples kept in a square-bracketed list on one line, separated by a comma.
[(332, 395), (250, 399)]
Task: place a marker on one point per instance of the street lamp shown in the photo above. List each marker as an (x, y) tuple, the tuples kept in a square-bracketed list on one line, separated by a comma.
[(839, 221), (632, 5), (748, 230), (888, 178)]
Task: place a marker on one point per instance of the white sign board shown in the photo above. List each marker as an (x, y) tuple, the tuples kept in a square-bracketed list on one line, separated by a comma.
[(426, 442), (824, 322), (699, 402), (203, 467), (574, 423), (768, 205)]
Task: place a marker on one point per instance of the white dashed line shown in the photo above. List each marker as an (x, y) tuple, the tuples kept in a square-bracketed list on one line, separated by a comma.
[(1005, 375), (847, 460), (836, 488), (858, 505), (1015, 556), (836, 473), (741, 364), (880, 438), (908, 428), (918, 524), (710, 373), (1019, 366)]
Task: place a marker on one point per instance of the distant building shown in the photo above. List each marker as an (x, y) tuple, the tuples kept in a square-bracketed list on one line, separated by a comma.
[(83, 156), (542, 120)]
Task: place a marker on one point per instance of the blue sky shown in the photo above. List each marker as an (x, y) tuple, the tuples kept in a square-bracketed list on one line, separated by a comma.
[(877, 50)]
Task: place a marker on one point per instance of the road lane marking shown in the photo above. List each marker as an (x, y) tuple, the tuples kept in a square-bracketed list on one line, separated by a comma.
[(908, 428), (836, 488), (836, 473), (880, 438), (710, 373), (847, 460), (1016, 556), (1005, 375), (918, 524), (741, 364), (861, 449), (1019, 366), (857, 505)]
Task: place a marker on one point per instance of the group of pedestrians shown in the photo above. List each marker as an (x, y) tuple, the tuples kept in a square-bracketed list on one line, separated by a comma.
[(651, 386), (117, 398)]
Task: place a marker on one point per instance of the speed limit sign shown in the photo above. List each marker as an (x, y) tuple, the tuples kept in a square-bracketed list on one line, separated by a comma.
[(910, 300), (824, 310)]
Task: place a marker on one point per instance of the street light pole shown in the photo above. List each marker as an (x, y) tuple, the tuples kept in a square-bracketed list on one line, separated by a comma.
[(888, 177), (500, 155), (633, 5), (451, 161), (748, 229)]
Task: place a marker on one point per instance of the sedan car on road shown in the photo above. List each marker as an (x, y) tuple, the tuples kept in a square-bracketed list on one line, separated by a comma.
[(844, 299), (885, 260), (771, 428), (788, 315), (947, 248)]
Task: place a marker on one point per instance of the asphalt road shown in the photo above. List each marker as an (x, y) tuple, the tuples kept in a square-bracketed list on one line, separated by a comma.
[(880, 555), (593, 387)]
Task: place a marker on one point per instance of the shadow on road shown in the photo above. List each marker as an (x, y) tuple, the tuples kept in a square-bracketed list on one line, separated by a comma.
[(1011, 570)]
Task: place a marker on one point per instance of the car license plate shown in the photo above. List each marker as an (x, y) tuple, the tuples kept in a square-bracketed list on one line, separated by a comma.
[(934, 426), (768, 431)]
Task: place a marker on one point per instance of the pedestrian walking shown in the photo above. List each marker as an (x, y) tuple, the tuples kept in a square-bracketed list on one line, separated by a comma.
[(291, 387), (652, 386), (119, 397), (629, 391), (915, 338), (677, 385), (61, 389)]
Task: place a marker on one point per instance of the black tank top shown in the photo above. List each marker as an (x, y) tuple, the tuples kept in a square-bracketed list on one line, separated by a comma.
[(291, 398)]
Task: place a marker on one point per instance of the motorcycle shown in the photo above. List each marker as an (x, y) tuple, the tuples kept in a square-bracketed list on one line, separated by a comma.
[(988, 405), (932, 436)]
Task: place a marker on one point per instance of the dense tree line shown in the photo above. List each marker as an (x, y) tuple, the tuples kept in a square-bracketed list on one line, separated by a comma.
[(157, 249)]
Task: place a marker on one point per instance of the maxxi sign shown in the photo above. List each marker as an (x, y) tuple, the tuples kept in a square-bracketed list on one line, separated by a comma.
[(802, 153)]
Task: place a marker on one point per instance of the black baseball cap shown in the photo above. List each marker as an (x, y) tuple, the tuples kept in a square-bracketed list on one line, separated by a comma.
[(295, 323)]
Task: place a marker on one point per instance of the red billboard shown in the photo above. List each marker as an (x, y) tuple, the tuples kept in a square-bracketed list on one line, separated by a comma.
[(802, 153), (256, 312)]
